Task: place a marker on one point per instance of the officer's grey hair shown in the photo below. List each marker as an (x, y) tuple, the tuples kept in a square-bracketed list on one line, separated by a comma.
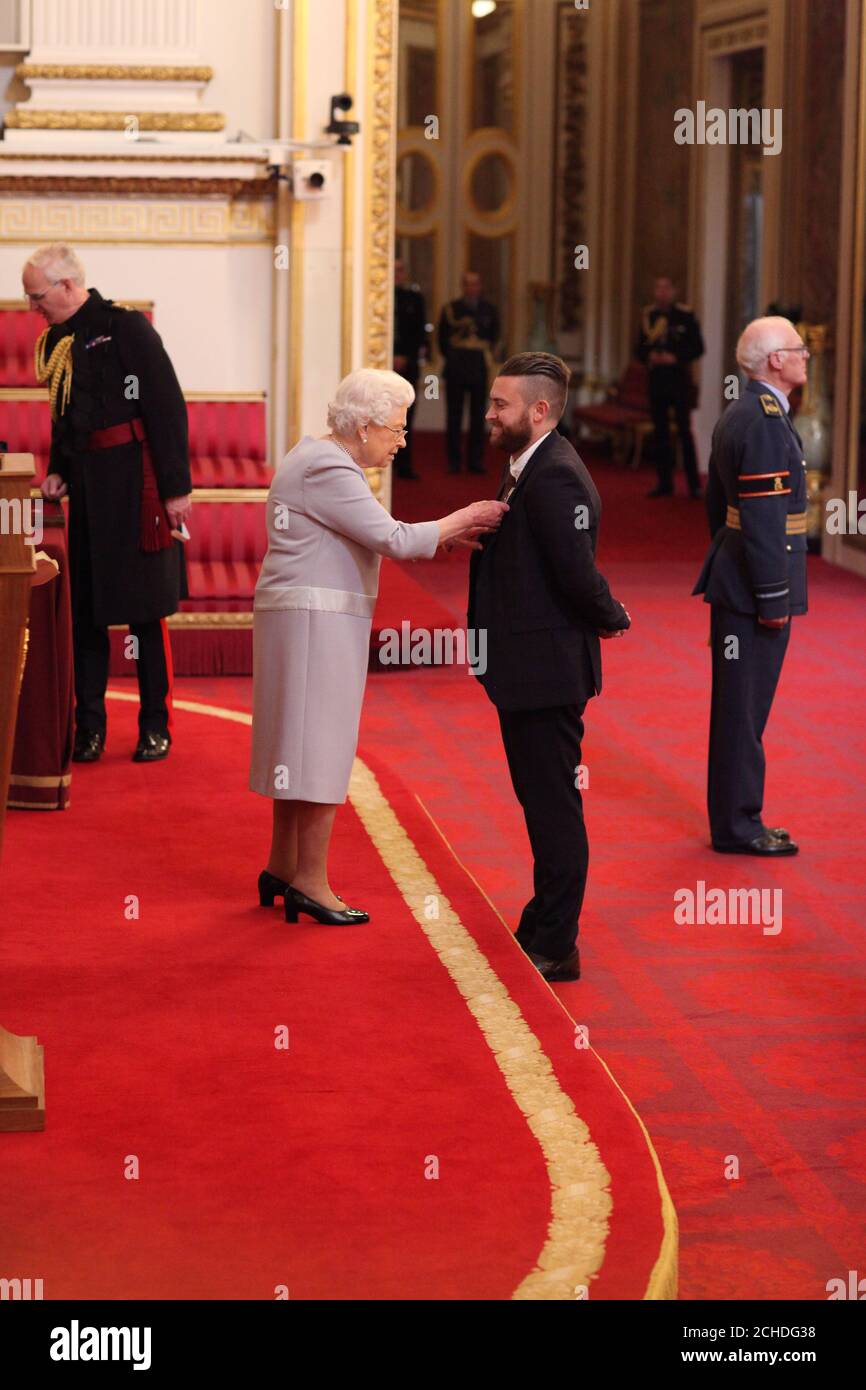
[(367, 395), (757, 341), (58, 262)]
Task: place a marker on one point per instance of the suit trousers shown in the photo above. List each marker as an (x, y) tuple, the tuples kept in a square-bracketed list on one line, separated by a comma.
[(455, 392), (90, 653), (668, 389), (543, 751), (745, 675)]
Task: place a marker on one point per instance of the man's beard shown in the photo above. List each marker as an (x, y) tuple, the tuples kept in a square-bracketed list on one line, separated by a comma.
[(514, 440)]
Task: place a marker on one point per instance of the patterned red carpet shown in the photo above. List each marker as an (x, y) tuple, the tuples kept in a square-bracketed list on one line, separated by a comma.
[(743, 1052)]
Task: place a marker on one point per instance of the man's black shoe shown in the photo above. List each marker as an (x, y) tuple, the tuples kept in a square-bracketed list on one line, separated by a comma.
[(778, 833), (151, 747), (553, 970), (88, 747), (661, 492), (765, 845)]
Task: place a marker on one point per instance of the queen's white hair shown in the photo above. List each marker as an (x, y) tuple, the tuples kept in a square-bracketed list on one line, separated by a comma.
[(58, 262), (757, 341), (367, 395)]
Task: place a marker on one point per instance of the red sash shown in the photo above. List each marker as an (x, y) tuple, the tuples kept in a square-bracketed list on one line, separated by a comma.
[(155, 525)]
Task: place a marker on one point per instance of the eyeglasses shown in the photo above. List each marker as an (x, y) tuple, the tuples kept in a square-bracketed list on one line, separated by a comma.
[(802, 348), (400, 432), (37, 298)]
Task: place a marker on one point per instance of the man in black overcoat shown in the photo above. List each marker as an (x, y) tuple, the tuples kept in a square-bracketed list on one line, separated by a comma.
[(535, 591), (119, 448)]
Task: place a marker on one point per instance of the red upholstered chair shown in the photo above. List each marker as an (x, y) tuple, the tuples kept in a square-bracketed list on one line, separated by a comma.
[(228, 442), (25, 424), (625, 416), (227, 544), (19, 329)]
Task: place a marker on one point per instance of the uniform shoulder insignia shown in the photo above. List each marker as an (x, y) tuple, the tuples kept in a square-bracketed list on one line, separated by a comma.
[(770, 405)]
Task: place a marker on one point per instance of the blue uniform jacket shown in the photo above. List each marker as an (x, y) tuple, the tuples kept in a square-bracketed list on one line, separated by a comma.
[(756, 506)]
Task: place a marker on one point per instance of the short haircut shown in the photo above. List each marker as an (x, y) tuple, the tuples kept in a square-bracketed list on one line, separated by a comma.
[(543, 377), (367, 395), (57, 261), (757, 340)]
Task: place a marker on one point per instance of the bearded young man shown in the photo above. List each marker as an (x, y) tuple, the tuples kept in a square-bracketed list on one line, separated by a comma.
[(535, 590)]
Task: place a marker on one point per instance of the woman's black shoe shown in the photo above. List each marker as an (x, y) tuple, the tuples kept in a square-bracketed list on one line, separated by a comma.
[(299, 902), (271, 887)]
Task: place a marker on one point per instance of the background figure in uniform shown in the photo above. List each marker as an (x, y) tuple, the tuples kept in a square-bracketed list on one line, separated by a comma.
[(668, 342), (410, 342), (535, 590), (468, 332), (755, 578), (119, 448)]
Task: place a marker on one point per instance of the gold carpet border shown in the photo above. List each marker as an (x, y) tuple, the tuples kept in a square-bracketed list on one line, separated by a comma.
[(573, 1252), (664, 1277)]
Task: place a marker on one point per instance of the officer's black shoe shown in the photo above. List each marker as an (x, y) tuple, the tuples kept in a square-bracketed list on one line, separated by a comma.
[(765, 845), (87, 747), (151, 747), (661, 491), (777, 832), (552, 970)]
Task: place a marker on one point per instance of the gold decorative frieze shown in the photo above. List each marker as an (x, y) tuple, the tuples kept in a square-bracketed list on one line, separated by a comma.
[(738, 36), (114, 72), (144, 187), (381, 153), (25, 118), (103, 220)]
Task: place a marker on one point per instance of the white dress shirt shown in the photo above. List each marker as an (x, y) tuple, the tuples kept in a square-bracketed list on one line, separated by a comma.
[(780, 395), (517, 465)]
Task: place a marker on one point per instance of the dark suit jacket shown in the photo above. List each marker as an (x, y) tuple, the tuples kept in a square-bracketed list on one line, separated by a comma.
[(535, 590)]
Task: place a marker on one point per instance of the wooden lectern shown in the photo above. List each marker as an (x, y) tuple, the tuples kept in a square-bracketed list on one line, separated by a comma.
[(22, 1085)]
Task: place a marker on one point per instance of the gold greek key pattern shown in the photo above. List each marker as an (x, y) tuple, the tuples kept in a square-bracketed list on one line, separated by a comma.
[(115, 72), (25, 119), (126, 222), (381, 154)]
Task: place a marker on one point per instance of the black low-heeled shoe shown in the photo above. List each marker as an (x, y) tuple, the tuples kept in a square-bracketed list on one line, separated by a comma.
[(299, 902), (271, 887)]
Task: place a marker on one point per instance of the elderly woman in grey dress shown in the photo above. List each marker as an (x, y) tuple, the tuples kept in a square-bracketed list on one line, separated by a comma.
[(312, 618)]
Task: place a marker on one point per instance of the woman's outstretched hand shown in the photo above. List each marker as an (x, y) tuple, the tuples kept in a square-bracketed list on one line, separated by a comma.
[(470, 522)]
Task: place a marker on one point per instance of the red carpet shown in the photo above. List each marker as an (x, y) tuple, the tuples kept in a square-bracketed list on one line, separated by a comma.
[(732, 1044), (728, 1041), (302, 1166)]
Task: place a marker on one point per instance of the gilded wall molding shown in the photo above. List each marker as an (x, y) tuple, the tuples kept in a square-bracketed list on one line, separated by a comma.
[(114, 72), (144, 187), (102, 220), (380, 182), (733, 37), (25, 118)]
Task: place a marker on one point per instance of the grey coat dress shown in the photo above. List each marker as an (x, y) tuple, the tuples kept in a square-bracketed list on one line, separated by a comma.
[(313, 613)]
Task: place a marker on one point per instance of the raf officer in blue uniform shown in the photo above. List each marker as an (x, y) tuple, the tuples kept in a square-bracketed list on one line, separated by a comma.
[(754, 577)]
